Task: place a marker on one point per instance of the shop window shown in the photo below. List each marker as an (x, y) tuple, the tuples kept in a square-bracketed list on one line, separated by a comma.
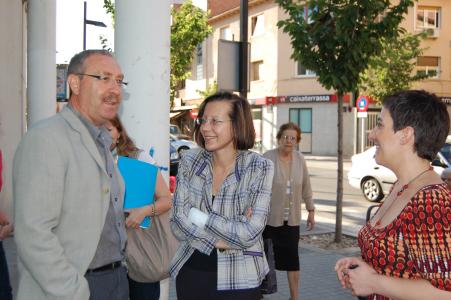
[(429, 65), (225, 33), (257, 70), (427, 17), (303, 118), (258, 25), (199, 63), (302, 71)]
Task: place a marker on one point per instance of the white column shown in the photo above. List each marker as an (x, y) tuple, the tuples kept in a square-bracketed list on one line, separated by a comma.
[(41, 64), (142, 47)]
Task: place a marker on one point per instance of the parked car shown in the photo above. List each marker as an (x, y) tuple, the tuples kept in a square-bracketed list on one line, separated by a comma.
[(177, 132), (375, 180), (181, 144), (174, 159)]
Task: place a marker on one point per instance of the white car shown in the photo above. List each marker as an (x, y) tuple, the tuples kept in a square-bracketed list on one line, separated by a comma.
[(181, 144), (375, 180)]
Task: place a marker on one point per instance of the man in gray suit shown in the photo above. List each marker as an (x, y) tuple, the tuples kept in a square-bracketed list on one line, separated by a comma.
[(68, 193)]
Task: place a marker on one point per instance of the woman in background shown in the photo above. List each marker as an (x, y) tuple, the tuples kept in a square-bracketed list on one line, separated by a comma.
[(221, 203), (123, 145), (406, 246), (290, 187)]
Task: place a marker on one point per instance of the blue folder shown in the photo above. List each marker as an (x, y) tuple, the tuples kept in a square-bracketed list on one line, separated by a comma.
[(140, 181)]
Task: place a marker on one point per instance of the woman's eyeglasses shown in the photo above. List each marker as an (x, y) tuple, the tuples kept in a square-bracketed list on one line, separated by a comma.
[(212, 121), (289, 138)]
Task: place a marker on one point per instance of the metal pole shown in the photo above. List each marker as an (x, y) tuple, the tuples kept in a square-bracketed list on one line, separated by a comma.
[(244, 48), (84, 27)]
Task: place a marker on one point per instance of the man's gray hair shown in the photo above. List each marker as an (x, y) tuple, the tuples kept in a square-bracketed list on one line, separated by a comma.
[(76, 65)]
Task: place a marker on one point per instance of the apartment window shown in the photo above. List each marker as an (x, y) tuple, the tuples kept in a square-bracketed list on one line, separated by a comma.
[(257, 70), (225, 33), (302, 71), (429, 65), (428, 17), (199, 63), (258, 25)]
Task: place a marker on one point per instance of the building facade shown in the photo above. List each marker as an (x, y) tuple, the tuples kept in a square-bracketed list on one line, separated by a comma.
[(282, 90)]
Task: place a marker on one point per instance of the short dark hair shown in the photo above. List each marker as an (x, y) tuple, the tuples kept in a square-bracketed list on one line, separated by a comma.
[(241, 116), (425, 113), (76, 64), (287, 126)]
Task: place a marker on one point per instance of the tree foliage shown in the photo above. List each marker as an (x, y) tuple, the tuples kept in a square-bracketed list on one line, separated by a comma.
[(189, 28), (393, 69), (336, 39), (210, 90)]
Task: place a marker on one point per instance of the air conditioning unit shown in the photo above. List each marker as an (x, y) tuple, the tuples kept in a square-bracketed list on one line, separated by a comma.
[(433, 32)]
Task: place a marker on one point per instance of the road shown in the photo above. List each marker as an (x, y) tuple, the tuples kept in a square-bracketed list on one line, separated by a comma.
[(323, 176)]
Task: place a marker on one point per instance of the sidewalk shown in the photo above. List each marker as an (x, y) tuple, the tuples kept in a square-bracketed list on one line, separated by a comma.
[(318, 280)]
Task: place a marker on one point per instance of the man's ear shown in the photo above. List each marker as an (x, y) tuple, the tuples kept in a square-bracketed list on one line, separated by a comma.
[(74, 83)]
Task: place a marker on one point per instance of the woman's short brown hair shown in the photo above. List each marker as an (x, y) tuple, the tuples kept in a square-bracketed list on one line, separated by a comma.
[(288, 126), (241, 116)]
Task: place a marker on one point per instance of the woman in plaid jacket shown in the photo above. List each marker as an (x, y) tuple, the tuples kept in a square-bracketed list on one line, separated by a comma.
[(221, 205)]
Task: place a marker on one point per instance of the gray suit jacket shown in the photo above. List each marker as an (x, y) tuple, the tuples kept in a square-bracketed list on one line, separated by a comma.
[(61, 197)]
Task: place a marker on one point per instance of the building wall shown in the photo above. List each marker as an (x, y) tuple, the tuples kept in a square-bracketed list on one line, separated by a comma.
[(439, 46), (279, 77), (12, 78)]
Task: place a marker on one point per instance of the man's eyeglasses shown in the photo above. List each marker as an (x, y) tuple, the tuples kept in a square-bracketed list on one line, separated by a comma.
[(289, 138), (212, 121), (106, 79)]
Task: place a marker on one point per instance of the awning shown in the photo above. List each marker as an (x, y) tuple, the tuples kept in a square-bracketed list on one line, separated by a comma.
[(175, 114)]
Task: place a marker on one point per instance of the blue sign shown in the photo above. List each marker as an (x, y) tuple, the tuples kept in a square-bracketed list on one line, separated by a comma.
[(362, 104)]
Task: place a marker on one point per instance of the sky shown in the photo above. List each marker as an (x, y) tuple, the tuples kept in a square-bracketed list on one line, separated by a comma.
[(69, 28)]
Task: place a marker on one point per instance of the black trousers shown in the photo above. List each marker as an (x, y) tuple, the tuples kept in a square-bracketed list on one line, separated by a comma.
[(197, 281), (5, 285)]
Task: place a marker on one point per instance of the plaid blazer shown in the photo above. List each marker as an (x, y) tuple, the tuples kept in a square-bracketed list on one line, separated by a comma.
[(248, 186)]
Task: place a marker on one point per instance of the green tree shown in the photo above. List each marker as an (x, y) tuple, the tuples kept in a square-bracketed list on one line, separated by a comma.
[(210, 90), (393, 69), (336, 39), (189, 28)]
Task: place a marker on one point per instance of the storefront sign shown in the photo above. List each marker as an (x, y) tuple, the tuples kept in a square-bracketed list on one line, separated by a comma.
[(308, 98)]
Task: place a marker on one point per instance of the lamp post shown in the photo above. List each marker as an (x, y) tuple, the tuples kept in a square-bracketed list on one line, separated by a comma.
[(90, 22)]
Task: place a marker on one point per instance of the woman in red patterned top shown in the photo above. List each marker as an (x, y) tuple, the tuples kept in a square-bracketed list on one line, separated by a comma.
[(406, 246)]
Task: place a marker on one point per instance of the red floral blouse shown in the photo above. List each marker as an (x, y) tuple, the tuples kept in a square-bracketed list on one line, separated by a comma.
[(417, 244)]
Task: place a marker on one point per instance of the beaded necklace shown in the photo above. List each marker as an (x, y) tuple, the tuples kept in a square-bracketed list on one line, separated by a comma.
[(399, 193)]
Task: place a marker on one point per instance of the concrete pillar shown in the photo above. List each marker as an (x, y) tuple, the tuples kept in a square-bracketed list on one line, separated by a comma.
[(12, 86), (142, 47), (41, 64)]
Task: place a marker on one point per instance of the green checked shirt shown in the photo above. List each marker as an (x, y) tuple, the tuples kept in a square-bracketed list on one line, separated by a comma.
[(247, 186)]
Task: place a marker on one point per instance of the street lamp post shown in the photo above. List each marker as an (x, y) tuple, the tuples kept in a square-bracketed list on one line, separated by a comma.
[(90, 22)]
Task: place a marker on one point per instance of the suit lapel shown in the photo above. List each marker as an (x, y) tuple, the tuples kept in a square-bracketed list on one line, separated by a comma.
[(86, 137)]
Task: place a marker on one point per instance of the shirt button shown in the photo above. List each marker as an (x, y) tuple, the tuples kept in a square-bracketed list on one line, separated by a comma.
[(106, 190)]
